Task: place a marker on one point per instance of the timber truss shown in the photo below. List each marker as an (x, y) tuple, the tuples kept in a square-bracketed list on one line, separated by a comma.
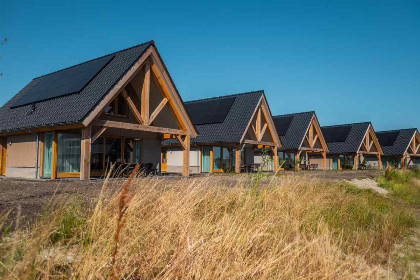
[(260, 132), (369, 147), (312, 143), (154, 70), (413, 150)]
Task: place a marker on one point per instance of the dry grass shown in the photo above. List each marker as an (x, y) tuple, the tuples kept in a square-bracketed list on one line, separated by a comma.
[(214, 227)]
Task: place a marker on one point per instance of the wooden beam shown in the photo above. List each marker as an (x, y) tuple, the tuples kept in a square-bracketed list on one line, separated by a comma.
[(311, 135), (138, 127), (258, 124), (161, 84), (355, 162), (314, 141), (158, 110), (238, 160), (211, 159), (324, 161), (99, 133), (85, 154), (132, 106), (186, 157), (54, 156), (262, 132), (253, 142), (145, 94), (181, 141), (379, 162)]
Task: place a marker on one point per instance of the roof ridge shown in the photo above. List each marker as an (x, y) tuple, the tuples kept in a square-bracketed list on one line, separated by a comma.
[(151, 42), (347, 124), (293, 114), (395, 130), (223, 96)]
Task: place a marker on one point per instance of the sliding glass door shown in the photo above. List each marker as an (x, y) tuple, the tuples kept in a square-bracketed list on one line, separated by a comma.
[(46, 166), (68, 152)]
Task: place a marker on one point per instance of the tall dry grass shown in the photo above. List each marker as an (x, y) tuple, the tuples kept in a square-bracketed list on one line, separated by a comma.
[(214, 227)]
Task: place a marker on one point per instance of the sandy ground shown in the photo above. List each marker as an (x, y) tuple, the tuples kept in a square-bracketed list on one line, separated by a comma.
[(33, 195)]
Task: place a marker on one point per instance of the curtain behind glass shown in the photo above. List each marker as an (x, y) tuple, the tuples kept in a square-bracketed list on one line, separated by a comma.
[(46, 167), (68, 152)]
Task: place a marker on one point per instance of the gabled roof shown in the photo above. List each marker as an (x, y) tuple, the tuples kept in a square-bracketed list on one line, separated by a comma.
[(346, 138), (226, 117), (292, 129), (72, 108), (395, 142)]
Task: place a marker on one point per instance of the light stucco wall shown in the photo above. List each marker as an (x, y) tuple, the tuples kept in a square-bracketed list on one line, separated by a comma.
[(21, 156), (175, 160)]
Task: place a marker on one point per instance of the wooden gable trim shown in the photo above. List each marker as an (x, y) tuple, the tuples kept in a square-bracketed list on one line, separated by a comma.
[(177, 102), (370, 135), (126, 78), (155, 69), (412, 145), (261, 110), (311, 139)]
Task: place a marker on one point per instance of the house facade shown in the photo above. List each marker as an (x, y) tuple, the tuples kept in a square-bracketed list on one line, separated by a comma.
[(303, 144), (401, 148), (79, 121), (352, 146), (236, 133)]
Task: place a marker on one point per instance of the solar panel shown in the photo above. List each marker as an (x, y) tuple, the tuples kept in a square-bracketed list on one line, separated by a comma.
[(282, 124), (209, 111), (387, 138), (336, 133), (63, 82)]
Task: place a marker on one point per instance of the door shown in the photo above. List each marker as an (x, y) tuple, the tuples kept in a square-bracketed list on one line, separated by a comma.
[(163, 160), (46, 167), (205, 160)]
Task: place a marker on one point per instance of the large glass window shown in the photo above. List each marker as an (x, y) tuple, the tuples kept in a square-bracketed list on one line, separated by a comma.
[(226, 160), (217, 158), (68, 152), (46, 167), (97, 156), (132, 151), (205, 159), (112, 151)]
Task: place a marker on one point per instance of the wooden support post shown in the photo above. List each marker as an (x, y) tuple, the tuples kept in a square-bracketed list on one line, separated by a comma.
[(86, 142), (145, 94), (355, 162), (54, 156), (379, 162), (297, 165), (41, 156), (3, 153), (186, 156), (403, 162), (238, 160), (211, 159), (324, 161), (275, 160)]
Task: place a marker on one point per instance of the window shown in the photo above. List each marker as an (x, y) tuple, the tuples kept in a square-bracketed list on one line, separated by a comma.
[(117, 107), (46, 168), (226, 160), (132, 151), (217, 158), (112, 151), (68, 152), (97, 156)]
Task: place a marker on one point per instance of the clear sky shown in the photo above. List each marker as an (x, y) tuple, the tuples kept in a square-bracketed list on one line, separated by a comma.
[(349, 61)]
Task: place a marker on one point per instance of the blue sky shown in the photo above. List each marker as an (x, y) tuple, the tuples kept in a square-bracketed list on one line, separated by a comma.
[(349, 61)]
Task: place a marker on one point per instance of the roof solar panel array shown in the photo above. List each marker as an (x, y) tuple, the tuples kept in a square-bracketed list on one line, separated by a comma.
[(64, 82), (282, 124), (336, 133), (209, 111), (387, 138)]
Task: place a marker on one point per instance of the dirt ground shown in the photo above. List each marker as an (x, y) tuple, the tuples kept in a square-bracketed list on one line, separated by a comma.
[(34, 195)]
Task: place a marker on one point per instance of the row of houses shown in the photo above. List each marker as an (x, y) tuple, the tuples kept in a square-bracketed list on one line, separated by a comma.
[(124, 108)]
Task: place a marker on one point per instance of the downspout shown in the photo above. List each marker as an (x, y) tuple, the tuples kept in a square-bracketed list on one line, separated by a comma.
[(36, 153)]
